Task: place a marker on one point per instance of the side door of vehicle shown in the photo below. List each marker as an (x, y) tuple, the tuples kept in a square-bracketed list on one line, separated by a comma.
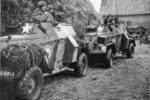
[(54, 48), (118, 42)]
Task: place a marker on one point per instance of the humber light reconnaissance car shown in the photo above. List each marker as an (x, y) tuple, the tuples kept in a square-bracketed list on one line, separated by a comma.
[(26, 57), (101, 46)]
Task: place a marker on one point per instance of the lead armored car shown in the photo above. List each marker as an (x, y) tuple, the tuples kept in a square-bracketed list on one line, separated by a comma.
[(101, 45), (26, 57)]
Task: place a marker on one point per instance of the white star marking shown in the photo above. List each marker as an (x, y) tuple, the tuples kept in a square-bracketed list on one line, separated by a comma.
[(100, 28), (26, 28)]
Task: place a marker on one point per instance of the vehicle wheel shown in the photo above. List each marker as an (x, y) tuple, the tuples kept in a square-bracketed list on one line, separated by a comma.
[(81, 67), (109, 59), (131, 51), (30, 87)]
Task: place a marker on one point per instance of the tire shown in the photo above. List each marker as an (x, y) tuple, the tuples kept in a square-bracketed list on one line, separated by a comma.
[(30, 87), (130, 51), (109, 58), (81, 67)]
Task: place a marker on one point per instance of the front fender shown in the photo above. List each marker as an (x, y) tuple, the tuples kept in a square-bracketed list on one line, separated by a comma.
[(113, 47), (18, 59), (133, 41)]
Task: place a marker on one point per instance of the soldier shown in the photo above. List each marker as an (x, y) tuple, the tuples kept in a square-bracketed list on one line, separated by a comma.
[(107, 20), (39, 14), (44, 19), (107, 23), (116, 21), (50, 12)]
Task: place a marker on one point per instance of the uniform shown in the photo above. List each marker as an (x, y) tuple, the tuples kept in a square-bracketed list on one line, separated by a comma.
[(39, 15), (42, 19), (51, 14)]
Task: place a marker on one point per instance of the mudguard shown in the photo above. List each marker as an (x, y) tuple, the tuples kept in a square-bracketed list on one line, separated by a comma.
[(17, 59)]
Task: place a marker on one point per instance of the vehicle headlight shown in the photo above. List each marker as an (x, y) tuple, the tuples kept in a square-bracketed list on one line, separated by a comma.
[(87, 41), (103, 48)]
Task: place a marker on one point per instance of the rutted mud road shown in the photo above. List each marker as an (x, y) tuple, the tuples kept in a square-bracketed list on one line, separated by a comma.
[(127, 80)]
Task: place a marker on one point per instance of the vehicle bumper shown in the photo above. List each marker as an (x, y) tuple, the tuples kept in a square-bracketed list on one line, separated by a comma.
[(7, 85), (95, 58), (7, 79), (6, 75)]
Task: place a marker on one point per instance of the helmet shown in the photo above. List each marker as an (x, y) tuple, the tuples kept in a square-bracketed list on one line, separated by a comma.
[(41, 4), (49, 7)]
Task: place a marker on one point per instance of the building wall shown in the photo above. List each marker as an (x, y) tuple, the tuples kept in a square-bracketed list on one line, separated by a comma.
[(108, 7), (137, 11), (143, 20), (133, 6), (123, 7)]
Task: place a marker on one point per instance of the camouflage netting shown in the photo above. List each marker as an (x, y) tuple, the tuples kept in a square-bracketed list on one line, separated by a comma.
[(15, 11), (19, 58)]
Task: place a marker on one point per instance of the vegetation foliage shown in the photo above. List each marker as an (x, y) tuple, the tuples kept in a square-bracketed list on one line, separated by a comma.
[(15, 11)]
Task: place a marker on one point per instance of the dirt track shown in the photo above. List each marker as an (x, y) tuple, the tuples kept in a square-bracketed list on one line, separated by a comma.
[(127, 80)]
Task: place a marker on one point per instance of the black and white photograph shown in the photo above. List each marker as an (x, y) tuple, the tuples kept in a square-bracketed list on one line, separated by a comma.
[(74, 49)]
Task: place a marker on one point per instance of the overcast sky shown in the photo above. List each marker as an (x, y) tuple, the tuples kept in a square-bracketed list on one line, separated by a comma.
[(96, 4)]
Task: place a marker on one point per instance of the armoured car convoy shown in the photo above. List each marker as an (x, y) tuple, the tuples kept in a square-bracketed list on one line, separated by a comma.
[(25, 58)]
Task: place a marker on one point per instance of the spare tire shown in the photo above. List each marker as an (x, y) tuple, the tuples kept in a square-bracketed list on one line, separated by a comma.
[(30, 87)]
